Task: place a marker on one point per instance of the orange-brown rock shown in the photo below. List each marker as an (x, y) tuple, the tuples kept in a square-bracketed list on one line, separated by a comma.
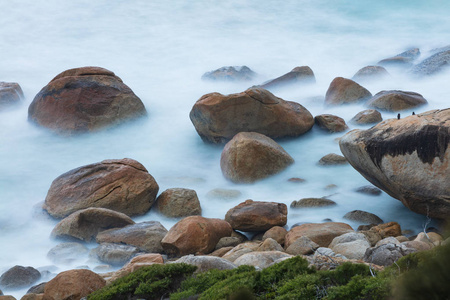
[(256, 216), (343, 91), (135, 263), (330, 123), (217, 118), (73, 284), (251, 156), (370, 73), (10, 94), (84, 99), (298, 75), (396, 100), (277, 233), (368, 116), (320, 233), (387, 229), (195, 235), (178, 202), (123, 185)]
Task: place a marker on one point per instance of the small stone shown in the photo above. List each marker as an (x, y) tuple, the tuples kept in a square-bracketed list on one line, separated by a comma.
[(330, 123), (363, 216), (296, 180), (230, 73), (369, 190), (312, 202), (333, 159)]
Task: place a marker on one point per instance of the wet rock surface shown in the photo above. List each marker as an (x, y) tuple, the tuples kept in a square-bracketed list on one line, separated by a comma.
[(396, 100), (344, 91), (330, 123), (11, 94)]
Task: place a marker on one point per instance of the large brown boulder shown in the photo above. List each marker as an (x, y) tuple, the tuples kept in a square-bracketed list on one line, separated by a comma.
[(343, 91), (195, 235), (123, 185), (320, 233), (73, 284), (251, 156), (408, 158), (396, 100), (257, 216), (298, 75), (217, 118), (84, 99), (19, 277), (10, 94), (178, 202)]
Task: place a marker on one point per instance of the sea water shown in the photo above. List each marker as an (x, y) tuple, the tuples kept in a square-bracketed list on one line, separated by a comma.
[(160, 49)]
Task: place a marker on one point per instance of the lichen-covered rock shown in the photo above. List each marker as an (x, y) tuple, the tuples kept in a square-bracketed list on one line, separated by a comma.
[(206, 263), (230, 73), (19, 277), (298, 76), (396, 100), (330, 123), (320, 233), (10, 94), (343, 91), (178, 202), (386, 254), (368, 116)]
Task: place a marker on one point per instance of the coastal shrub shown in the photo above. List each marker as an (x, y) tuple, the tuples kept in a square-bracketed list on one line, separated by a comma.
[(230, 286)]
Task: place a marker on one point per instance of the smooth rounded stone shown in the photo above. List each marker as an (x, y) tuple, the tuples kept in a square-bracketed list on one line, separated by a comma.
[(67, 253), (387, 229), (223, 194), (370, 73), (352, 245), (240, 250), (425, 237), (302, 246), (123, 185), (330, 123), (395, 100), (277, 233), (195, 235), (417, 245), (37, 289), (409, 159), (296, 180), (228, 241), (178, 202), (206, 263), (218, 118), (312, 202), (402, 238), (298, 76), (260, 259), (320, 233), (329, 187), (73, 284), (136, 263), (333, 159), (147, 236), (270, 244), (85, 224), (254, 216), (344, 91), (32, 297), (230, 73), (221, 252), (368, 116), (404, 58), (19, 277), (324, 251), (369, 190), (388, 240), (433, 64), (251, 156), (10, 94), (84, 99), (384, 255), (7, 297), (363, 217), (114, 254)]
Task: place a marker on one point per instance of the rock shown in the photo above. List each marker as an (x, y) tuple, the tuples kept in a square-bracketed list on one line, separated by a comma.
[(372, 236), (417, 245), (19, 277), (67, 253), (228, 241), (343, 91), (206, 263), (312, 202), (323, 251), (253, 216), (242, 238), (146, 236), (296, 180), (260, 259), (240, 250), (396, 100), (401, 238), (404, 58), (123, 185), (73, 284), (217, 118), (433, 237), (135, 263), (363, 217), (407, 158), (368, 116), (277, 233), (320, 233), (85, 224), (433, 64), (270, 245), (220, 252), (84, 99), (369, 190), (178, 202), (352, 245), (332, 159), (223, 194), (370, 73), (387, 229), (114, 254), (331, 123), (230, 73), (37, 289), (299, 75), (302, 246), (195, 234), (7, 297), (426, 238), (385, 255), (10, 94), (33, 297)]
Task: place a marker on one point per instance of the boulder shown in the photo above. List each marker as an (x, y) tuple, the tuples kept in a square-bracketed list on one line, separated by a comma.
[(123, 185), (396, 100), (135, 263), (254, 216), (433, 64), (369, 190), (302, 246), (73, 284), (388, 240), (217, 118), (352, 245), (240, 250), (7, 297), (277, 233), (19, 277), (387, 229), (320, 233), (178, 202), (370, 73), (228, 241), (85, 224), (332, 159), (260, 259), (323, 251), (206, 263), (37, 289), (404, 58), (114, 254), (83, 100), (31, 297), (146, 236), (10, 94), (230, 73), (67, 253), (417, 245), (385, 255), (298, 76), (221, 251), (223, 194), (251, 156), (407, 158), (330, 123), (269, 245), (343, 91), (194, 235), (312, 202), (368, 116), (363, 217)]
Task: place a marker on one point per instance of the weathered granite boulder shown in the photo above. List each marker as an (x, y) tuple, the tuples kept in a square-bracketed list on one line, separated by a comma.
[(298, 76), (320, 233), (363, 217), (123, 185), (240, 250), (228, 241), (206, 263), (370, 73), (404, 58), (368, 116), (66, 253), (333, 159), (277, 233), (396, 100), (433, 64), (178, 202), (352, 245), (217, 118), (114, 254), (407, 158), (254, 216), (230, 73), (330, 123), (369, 190), (269, 244), (84, 99), (302, 246), (343, 91), (19, 277), (312, 202), (260, 259), (10, 94), (135, 263), (251, 156), (386, 254)]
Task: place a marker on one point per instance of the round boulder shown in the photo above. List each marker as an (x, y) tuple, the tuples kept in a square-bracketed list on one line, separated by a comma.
[(312, 202), (178, 202), (123, 185), (343, 91), (320, 233), (332, 159), (370, 73), (368, 116), (363, 217), (330, 123), (396, 100), (277, 233), (10, 94), (19, 277), (352, 245), (298, 75)]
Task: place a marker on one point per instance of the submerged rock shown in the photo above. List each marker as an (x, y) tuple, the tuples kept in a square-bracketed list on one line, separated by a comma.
[(312, 202), (114, 254), (363, 217), (230, 73), (370, 73), (343, 91), (298, 75), (404, 58), (396, 100), (332, 159), (19, 277), (369, 190), (433, 64), (10, 94), (66, 253), (223, 194)]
